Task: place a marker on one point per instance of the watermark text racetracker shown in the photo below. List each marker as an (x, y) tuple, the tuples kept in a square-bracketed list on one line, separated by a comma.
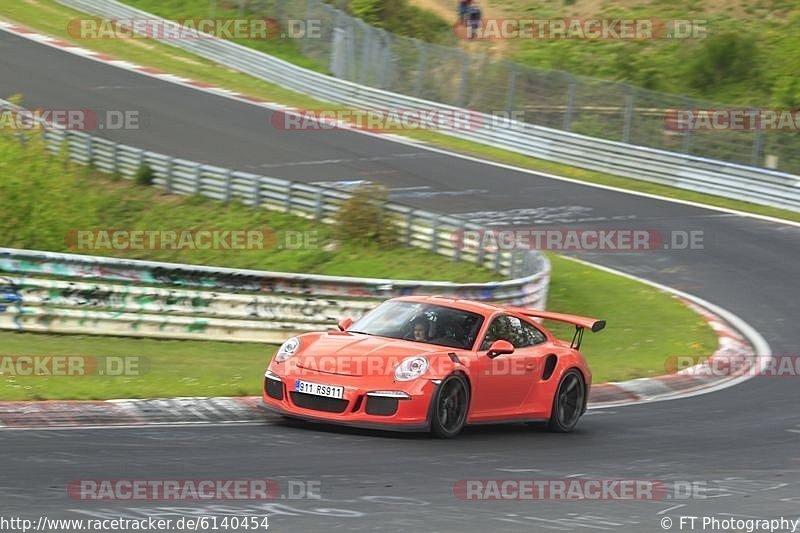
[(70, 119), (615, 29), (72, 365), (578, 489), (120, 239), (192, 29), (577, 240), (191, 489)]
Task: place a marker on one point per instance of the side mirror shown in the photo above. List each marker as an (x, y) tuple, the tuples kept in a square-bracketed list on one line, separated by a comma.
[(345, 323), (500, 347)]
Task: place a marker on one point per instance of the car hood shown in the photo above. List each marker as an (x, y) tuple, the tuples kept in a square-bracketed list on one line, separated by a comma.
[(355, 354)]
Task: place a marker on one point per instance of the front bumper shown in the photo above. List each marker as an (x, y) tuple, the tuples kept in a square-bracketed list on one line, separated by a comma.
[(357, 408)]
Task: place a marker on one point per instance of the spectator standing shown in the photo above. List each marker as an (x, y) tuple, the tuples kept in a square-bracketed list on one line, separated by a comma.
[(474, 23), (463, 9)]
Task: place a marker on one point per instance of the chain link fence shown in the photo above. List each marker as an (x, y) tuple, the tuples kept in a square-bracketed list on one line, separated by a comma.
[(370, 56)]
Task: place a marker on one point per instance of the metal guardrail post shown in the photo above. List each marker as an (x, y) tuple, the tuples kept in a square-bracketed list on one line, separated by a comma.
[(89, 148), (458, 241), (409, 226), (114, 158), (168, 169), (319, 205), (435, 233), (256, 202), (198, 179), (228, 185)]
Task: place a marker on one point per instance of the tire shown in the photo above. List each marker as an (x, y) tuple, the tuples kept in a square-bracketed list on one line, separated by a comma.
[(568, 402), (449, 407)]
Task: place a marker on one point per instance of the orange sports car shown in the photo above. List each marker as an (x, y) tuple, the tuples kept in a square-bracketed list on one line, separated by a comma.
[(434, 363)]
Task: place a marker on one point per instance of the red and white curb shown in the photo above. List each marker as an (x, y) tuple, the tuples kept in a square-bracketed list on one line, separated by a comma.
[(734, 361)]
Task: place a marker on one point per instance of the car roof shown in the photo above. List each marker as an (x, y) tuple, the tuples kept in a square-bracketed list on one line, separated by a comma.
[(483, 308)]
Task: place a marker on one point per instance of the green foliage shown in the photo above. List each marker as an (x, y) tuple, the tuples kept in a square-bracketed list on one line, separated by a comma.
[(145, 175), (362, 218), (723, 59)]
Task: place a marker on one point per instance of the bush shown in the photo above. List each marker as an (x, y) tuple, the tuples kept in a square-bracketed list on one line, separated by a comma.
[(725, 58), (363, 218), (145, 175)]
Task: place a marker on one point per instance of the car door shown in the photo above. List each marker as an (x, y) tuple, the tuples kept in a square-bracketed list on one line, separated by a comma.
[(504, 382)]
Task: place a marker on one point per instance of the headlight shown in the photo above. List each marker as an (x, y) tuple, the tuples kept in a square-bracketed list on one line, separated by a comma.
[(411, 368), (288, 349)]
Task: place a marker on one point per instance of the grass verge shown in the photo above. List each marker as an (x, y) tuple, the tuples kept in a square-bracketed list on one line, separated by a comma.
[(51, 18)]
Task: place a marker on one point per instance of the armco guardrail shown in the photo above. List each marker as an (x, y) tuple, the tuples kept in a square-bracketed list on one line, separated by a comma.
[(729, 180), (65, 293)]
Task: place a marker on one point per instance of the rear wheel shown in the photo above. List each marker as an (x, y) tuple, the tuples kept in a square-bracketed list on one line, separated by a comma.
[(568, 402), (450, 407)]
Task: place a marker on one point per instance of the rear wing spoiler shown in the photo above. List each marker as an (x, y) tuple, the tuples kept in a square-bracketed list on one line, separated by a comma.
[(580, 322)]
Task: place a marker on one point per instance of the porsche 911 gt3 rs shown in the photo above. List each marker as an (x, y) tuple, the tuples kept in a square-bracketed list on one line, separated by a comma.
[(435, 364)]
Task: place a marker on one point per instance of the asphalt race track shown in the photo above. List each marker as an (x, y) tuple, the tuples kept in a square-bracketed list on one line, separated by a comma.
[(742, 443)]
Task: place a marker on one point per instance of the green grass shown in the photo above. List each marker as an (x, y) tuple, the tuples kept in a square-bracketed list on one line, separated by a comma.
[(645, 328), (51, 18), (170, 368), (35, 216)]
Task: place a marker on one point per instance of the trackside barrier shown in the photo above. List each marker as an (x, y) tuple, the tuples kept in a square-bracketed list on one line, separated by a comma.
[(757, 185), (66, 293)]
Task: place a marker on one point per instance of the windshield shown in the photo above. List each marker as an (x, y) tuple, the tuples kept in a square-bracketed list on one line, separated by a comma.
[(421, 322)]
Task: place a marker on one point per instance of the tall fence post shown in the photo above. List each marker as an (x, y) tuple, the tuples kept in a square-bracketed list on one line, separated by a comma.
[(758, 141), (570, 102), (306, 38), (512, 87), (628, 117), (422, 67), (687, 132), (462, 89)]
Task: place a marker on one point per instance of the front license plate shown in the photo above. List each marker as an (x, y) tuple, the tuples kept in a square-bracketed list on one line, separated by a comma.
[(329, 391)]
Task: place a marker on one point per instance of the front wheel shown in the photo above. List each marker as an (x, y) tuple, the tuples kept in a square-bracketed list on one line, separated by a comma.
[(450, 406), (568, 402)]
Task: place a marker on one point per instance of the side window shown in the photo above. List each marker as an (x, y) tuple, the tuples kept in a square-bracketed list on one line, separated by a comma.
[(497, 330), (534, 336), (513, 330)]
